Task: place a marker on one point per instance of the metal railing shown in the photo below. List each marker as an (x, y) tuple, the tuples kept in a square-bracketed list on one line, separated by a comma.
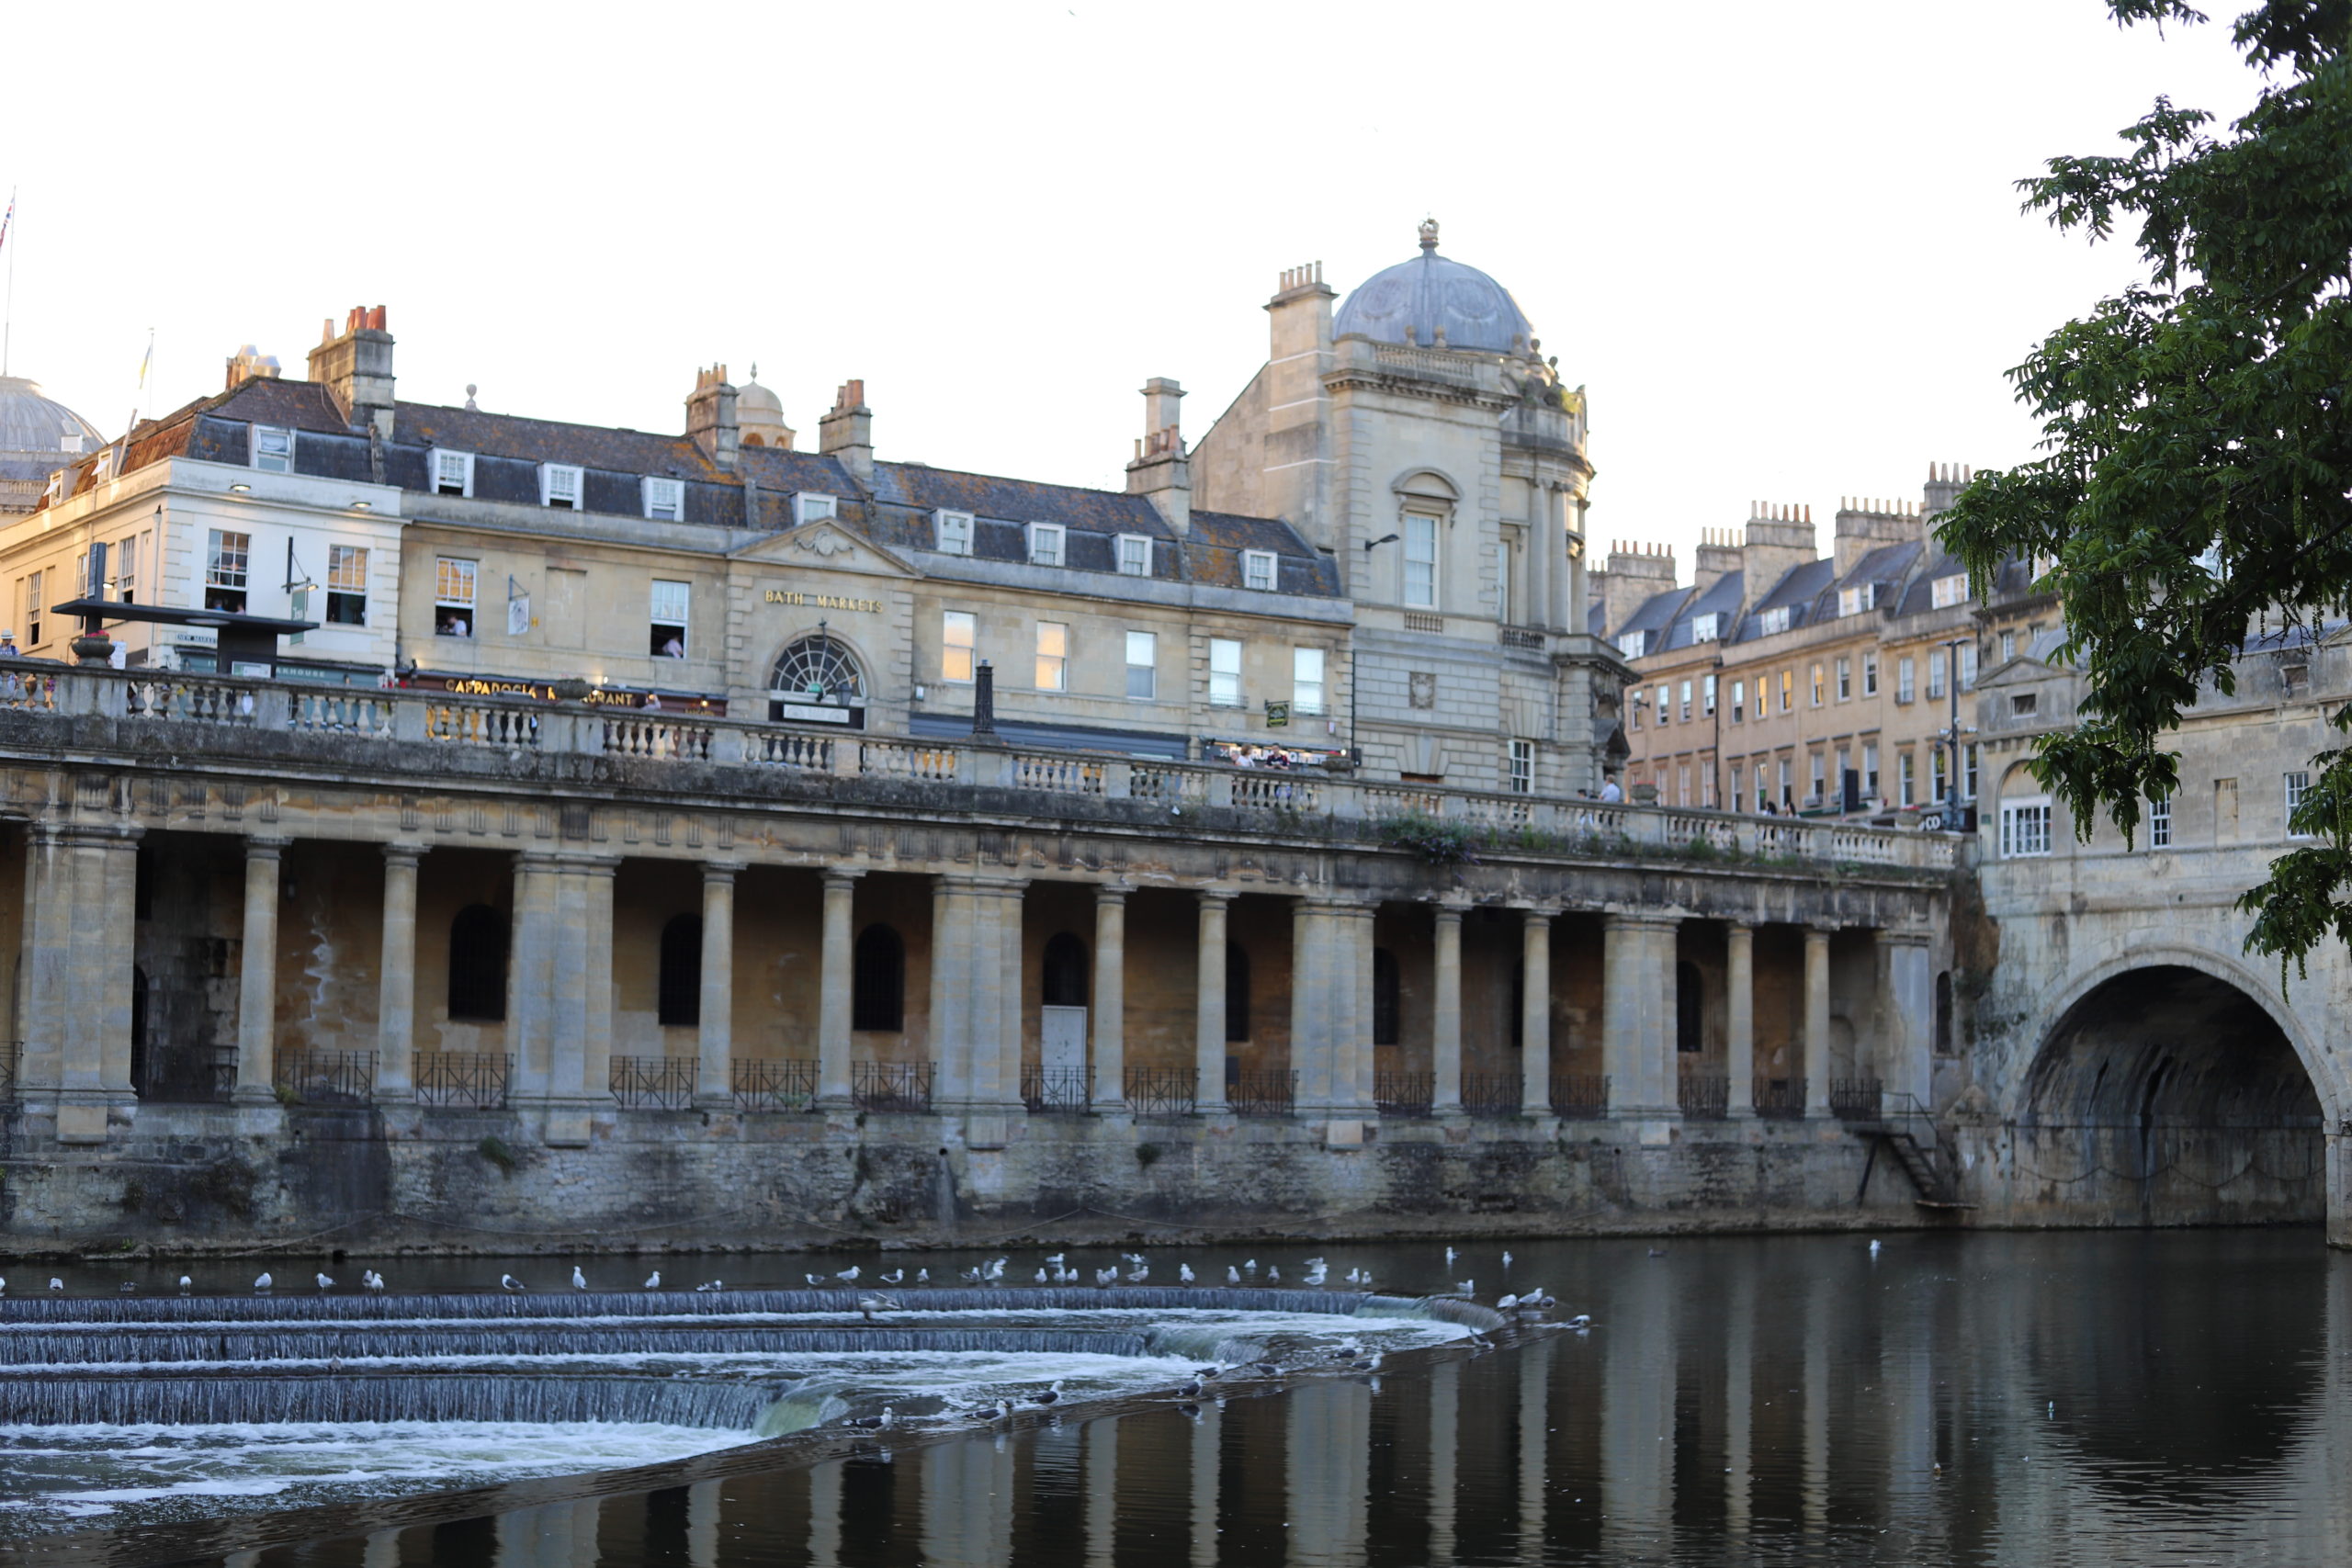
[(1261, 1094), (1404, 1094), (1491, 1094), (1163, 1091), (1580, 1094), (325, 1078), (200, 1075), (890, 1085), (1064, 1091), (11, 1053), (1703, 1094), (476, 1078), (654, 1083), (761, 1085), (1857, 1099), (1780, 1096)]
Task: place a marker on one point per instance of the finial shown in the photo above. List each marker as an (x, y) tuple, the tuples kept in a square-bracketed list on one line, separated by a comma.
[(471, 390), (755, 369), (1429, 233)]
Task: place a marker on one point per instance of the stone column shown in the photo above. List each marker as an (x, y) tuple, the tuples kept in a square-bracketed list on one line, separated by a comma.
[(1536, 1014), (1566, 602), (1539, 561), (1108, 1019), (1310, 1035), (1208, 1004), (1637, 1015), (1574, 512), (975, 999), (1358, 943), (396, 979), (1906, 1014), (835, 984), (1817, 1020), (559, 1007), (1739, 1016), (715, 1033), (1445, 1027), (81, 885), (257, 976)]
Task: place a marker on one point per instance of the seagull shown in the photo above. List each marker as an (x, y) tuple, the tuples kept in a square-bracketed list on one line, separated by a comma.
[(873, 1301), (4, 1287), (653, 1281), (1193, 1384), (1657, 1252), (1232, 1275), (1041, 1276), (1506, 1304), (373, 1281), (508, 1283), (128, 1289), (1106, 1277), (1057, 1259), (1272, 1272), (1873, 1246), (1004, 1410), (1365, 1363), (922, 1276), (893, 1277), (995, 1270), (1266, 1368), (1184, 1272), (1137, 1275), (187, 1284), (812, 1279), (578, 1281), (1506, 1258), (848, 1276), (1051, 1395), (973, 1275), (1465, 1287), (262, 1283), (1251, 1265), (884, 1422), (1449, 1255), (325, 1283), (1581, 1323)]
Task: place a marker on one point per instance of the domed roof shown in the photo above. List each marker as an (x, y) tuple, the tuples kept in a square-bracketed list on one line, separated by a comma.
[(38, 435), (759, 414), (1410, 302)]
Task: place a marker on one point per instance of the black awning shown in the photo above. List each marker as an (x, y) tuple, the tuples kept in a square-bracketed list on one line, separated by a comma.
[(1052, 736)]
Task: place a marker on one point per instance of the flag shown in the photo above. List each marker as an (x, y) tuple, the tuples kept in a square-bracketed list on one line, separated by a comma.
[(7, 219), (150, 357)]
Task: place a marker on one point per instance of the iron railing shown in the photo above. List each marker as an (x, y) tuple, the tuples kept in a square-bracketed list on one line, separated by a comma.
[(761, 1085), (1857, 1099), (1404, 1094), (1062, 1092), (1580, 1094), (890, 1085), (1261, 1094), (1780, 1096), (202, 1074), (477, 1078), (1163, 1091), (1491, 1094), (658, 1083), (325, 1078), (1703, 1094)]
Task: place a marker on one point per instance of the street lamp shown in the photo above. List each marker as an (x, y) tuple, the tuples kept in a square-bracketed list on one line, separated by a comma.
[(1951, 736), (1355, 752)]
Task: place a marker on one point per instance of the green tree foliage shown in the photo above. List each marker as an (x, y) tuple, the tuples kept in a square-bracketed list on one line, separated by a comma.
[(2198, 450)]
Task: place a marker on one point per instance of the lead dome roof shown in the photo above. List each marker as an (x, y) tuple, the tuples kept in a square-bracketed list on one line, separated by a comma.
[(1408, 303), (33, 428)]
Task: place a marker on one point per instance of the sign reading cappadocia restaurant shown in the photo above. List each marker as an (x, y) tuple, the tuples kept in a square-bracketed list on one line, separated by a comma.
[(545, 692)]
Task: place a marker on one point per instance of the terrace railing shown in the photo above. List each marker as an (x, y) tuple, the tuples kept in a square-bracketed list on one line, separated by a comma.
[(326, 1077), (1404, 1094), (758, 1084), (1263, 1093), (1583, 1095), (1163, 1091), (653, 1083), (1780, 1096), (890, 1085), (1067, 1091), (475, 1079), (1491, 1094), (1706, 1094), (1857, 1099)]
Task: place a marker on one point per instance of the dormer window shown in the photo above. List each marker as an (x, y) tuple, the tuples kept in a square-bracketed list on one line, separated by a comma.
[(560, 485), (666, 499), (953, 532), (1134, 555), (1946, 592), (273, 449), (1706, 628), (810, 506), (1855, 600), (55, 490), (103, 468), (1257, 571), (1047, 544), (452, 473), (1633, 644), (1772, 621)]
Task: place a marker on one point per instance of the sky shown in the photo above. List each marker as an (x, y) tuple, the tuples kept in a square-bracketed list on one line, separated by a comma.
[(1779, 245)]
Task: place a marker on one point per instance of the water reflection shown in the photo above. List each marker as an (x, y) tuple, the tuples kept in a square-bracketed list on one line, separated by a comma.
[(2087, 1400)]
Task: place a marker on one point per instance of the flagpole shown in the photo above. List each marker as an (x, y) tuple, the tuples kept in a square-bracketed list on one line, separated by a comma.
[(8, 319)]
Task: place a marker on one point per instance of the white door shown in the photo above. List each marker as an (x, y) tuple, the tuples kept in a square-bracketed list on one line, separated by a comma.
[(1062, 1045)]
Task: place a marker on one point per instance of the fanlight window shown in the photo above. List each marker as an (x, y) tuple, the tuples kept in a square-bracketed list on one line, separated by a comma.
[(819, 669)]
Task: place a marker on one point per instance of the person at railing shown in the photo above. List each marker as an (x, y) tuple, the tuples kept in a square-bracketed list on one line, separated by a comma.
[(8, 649), (1610, 793)]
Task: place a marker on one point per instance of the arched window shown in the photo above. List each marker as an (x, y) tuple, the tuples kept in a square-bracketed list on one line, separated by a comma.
[(879, 988), (1689, 997), (477, 965), (678, 999), (1063, 981), (1237, 993), (1943, 1012), (818, 670), (1387, 998)]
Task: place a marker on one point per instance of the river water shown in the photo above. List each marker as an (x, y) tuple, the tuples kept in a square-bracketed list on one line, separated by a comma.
[(2141, 1398)]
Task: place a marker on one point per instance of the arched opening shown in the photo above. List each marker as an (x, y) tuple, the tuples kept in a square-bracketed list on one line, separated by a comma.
[(678, 996), (1062, 983), (1690, 1008), (1387, 999), (879, 981), (2168, 1094), (477, 965), (818, 679), (1236, 994)]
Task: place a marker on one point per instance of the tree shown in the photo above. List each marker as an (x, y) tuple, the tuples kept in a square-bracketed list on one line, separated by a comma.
[(2197, 448)]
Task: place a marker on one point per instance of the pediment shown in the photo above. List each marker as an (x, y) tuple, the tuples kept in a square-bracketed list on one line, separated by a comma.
[(827, 545)]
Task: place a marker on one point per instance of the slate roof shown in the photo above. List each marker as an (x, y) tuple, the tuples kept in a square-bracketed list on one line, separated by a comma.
[(1798, 588), (1654, 617), (1721, 598)]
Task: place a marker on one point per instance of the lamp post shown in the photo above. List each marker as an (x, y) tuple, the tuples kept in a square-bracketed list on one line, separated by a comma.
[(1951, 736), (1355, 752)]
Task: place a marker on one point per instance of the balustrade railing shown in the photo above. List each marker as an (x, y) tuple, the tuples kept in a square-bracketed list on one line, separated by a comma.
[(476, 1078), (662, 739), (1063, 1090), (188, 699), (325, 1078), (1580, 1094), (890, 1085), (1167, 785), (1780, 1096), (1857, 1099), (27, 690), (893, 760), (1705, 1095), (653, 1083), (758, 1084), (1276, 791), (1163, 1091), (481, 724), (340, 710), (791, 749), (1261, 1094), (1404, 1094), (1491, 1094), (1057, 773)]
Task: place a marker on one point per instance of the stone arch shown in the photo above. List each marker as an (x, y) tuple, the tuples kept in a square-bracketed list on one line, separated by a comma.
[(1424, 483)]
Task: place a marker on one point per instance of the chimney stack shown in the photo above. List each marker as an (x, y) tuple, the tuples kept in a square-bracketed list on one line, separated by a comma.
[(1864, 523), (250, 364), (1294, 483), (1779, 539), (710, 416), (848, 430), (1636, 573), (1945, 481), (357, 370), (1161, 472), (1718, 557)]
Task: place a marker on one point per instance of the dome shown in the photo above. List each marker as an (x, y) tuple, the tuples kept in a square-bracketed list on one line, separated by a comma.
[(1410, 302), (39, 431), (759, 415)]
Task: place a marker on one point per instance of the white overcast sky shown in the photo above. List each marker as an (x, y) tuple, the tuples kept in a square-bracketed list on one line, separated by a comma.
[(1778, 243)]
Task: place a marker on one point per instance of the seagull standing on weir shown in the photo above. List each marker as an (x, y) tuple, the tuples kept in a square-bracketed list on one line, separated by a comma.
[(509, 1283), (1052, 1395), (262, 1282), (578, 1281), (325, 1283), (653, 1281)]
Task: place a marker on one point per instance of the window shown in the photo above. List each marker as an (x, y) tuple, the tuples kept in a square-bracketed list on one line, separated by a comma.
[(667, 638), (810, 506), (1523, 767), (1907, 774), (2297, 785), (1143, 665), (1818, 684), (1257, 571), (1632, 644), (878, 987), (1854, 600), (1062, 972), (1684, 710), (1706, 628), (1682, 784), (477, 965), (1845, 679), (126, 571), (453, 472), (1224, 672), (2160, 822), (273, 450), (1772, 621), (1421, 562), (224, 571), (1837, 779), (346, 585), (1787, 799), (1134, 555), (1738, 777), (953, 531), (1664, 703), (33, 608), (560, 485), (1387, 999), (1935, 675), (1788, 690), (1936, 772), (1045, 543), (1870, 769), (1633, 711), (1707, 694), (816, 670), (1739, 703), (2025, 828), (2024, 702), (453, 597), (1870, 674), (677, 995), (1305, 680), (1906, 671), (1967, 672), (1820, 785), (666, 499), (959, 637), (1236, 994), (2008, 645), (1968, 772), (1946, 592), (1053, 657)]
